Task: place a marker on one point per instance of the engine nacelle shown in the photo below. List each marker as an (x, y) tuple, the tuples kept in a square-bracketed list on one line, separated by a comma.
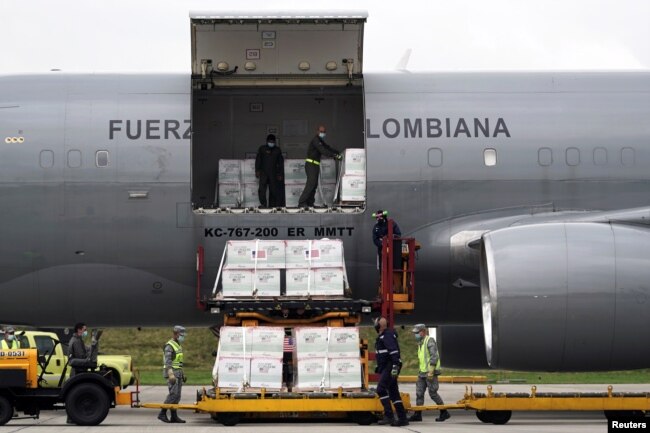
[(566, 297)]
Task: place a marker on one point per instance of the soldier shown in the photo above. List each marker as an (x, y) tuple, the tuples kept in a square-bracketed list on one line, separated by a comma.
[(173, 372), (317, 148), (389, 365), (269, 169)]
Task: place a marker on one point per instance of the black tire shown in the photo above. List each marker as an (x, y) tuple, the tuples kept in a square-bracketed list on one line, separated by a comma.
[(87, 404), (6, 410), (229, 418), (362, 418), (498, 417)]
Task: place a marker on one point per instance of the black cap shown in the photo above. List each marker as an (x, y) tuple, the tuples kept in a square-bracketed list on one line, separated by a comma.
[(270, 137)]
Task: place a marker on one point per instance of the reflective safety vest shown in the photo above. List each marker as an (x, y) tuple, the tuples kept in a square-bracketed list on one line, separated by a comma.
[(425, 357), (177, 361), (14, 345)]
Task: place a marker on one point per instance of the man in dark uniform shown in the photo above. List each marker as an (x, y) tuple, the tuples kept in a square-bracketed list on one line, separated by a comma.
[(389, 365), (380, 230), (269, 169), (317, 148)]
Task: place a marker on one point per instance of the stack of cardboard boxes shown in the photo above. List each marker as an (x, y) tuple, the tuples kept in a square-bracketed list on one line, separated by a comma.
[(250, 356), (253, 268), (353, 181), (295, 179), (238, 186)]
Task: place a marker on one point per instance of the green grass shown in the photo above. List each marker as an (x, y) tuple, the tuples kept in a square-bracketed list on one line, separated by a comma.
[(145, 347)]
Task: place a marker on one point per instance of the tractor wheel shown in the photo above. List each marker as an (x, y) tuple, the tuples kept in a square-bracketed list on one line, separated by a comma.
[(87, 404)]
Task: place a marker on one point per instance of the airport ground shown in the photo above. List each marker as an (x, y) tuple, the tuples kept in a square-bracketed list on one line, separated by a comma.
[(125, 419)]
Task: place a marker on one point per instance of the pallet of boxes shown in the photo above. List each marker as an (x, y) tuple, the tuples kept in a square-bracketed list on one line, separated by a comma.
[(318, 358), (353, 179), (237, 186)]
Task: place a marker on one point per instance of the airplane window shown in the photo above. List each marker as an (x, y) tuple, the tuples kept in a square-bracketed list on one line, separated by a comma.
[(600, 156), (572, 156), (490, 157), (101, 158), (435, 157), (74, 158), (545, 156), (46, 159), (627, 156)]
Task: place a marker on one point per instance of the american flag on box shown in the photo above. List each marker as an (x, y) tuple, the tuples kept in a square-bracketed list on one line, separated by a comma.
[(287, 346), (261, 254)]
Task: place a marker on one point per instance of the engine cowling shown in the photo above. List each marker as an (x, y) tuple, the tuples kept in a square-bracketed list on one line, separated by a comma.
[(566, 297)]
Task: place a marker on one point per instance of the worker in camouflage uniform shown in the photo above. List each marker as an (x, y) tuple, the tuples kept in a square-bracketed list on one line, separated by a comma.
[(173, 372)]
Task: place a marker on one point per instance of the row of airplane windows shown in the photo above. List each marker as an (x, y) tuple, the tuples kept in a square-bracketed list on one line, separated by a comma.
[(544, 157)]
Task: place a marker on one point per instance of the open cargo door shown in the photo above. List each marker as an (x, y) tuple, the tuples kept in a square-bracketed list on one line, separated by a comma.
[(281, 74)]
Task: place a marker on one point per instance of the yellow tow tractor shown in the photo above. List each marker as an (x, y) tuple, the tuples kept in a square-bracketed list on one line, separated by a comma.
[(86, 397)]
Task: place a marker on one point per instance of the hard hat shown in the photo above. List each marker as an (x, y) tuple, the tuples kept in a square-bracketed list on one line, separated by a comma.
[(380, 214), (178, 329), (419, 327)]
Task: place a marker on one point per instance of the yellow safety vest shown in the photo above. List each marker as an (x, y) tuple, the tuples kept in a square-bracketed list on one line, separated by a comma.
[(425, 357), (177, 362), (14, 345)]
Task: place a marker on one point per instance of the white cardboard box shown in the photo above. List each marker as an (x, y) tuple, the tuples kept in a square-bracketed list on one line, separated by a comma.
[(267, 282), (310, 342), (266, 373), (353, 188), (231, 342), (345, 373), (296, 254), (299, 282), (269, 254), (250, 194), (309, 373), (326, 253), (248, 171), (343, 343), (229, 195), (294, 171), (237, 282), (328, 282), (230, 170), (268, 342), (292, 193), (232, 371), (325, 194), (354, 162)]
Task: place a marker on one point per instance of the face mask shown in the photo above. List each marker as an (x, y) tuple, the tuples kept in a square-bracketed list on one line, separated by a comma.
[(181, 338), (85, 334), (418, 337), (321, 134), (270, 144)]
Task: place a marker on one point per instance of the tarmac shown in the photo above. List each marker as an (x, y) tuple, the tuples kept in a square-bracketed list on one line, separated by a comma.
[(125, 419)]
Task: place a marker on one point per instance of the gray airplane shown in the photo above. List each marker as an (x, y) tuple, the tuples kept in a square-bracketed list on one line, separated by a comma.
[(528, 191)]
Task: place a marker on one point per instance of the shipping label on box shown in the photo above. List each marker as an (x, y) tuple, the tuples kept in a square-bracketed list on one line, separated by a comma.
[(294, 171), (325, 253), (309, 374), (292, 194), (325, 194), (328, 282), (343, 343), (327, 170), (296, 254), (299, 282), (237, 282), (266, 373), (231, 341), (345, 373), (266, 282), (354, 162), (353, 188), (230, 170), (248, 171), (268, 342), (310, 342), (232, 372), (251, 195), (229, 195)]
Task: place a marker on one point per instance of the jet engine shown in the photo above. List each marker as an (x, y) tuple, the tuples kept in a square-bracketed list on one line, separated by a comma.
[(566, 297)]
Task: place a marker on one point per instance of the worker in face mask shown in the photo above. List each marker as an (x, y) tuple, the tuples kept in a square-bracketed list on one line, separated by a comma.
[(317, 148), (9, 342), (173, 372), (269, 169)]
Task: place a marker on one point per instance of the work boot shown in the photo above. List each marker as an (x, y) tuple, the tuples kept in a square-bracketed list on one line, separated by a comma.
[(401, 422), (386, 420), (175, 418), (417, 416), (444, 414), (163, 416)]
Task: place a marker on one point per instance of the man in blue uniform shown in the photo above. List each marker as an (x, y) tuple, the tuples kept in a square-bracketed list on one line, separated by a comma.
[(388, 366), (380, 230)]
